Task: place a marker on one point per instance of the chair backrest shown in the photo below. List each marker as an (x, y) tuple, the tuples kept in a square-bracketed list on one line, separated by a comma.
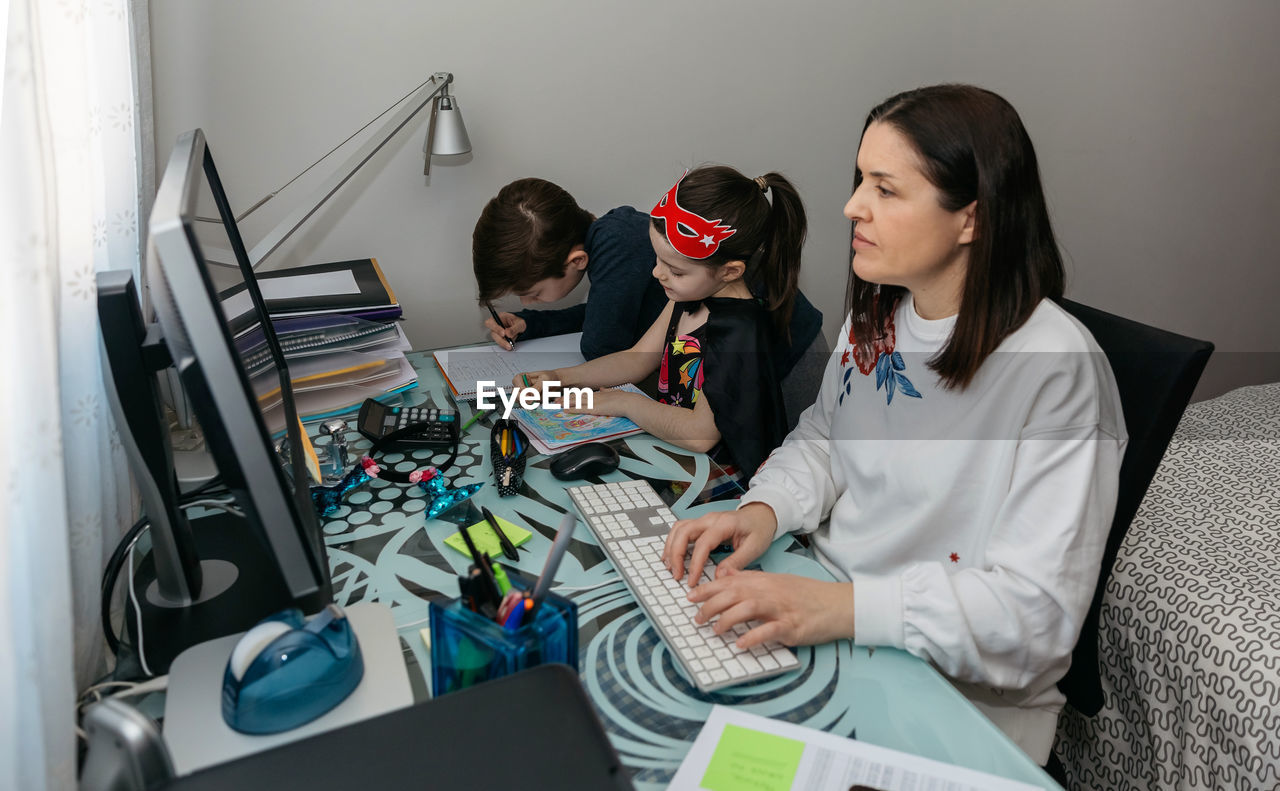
[(1156, 372), (800, 386)]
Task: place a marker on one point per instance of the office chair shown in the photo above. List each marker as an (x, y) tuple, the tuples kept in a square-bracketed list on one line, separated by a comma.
[(801, 384), (1155, 372)]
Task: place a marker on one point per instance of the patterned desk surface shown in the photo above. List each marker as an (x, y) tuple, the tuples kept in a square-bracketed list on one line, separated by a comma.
[(1189, 638), (382, 547)]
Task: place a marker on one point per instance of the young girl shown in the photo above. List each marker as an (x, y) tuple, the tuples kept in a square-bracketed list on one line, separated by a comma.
[(728, 260), (959, 470)]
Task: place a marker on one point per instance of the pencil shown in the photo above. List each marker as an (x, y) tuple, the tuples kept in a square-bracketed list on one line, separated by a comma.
[(503, 325)]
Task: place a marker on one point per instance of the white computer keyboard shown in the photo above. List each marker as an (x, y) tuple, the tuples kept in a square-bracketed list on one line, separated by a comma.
[(631, 523)]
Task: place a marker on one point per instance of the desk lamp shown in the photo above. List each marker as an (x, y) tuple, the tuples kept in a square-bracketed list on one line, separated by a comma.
[(446, 136)]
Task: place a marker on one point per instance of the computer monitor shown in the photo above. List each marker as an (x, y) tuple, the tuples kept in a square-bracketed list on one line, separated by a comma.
[(220, 340)]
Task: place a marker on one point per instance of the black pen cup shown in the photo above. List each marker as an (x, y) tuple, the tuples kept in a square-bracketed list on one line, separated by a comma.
[(508, 469), (468, 648)]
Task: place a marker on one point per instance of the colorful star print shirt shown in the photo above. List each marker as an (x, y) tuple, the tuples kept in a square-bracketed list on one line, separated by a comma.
[(970, 521)]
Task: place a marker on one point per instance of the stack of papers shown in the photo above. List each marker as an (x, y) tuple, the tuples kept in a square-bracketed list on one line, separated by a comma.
[(335, 362), (736, 750)]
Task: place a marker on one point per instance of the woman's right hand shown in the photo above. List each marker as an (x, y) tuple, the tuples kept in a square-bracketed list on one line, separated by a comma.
[(749, 529), (504, 335)]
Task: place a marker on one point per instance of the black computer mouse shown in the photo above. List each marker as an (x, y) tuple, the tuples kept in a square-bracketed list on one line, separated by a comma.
[(585, 461)]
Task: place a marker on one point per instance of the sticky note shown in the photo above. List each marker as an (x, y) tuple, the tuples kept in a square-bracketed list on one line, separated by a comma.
[(485, 539), (747, 760)]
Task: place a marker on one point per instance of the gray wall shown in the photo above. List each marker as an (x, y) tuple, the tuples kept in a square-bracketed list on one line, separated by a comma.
[(1157, 123)]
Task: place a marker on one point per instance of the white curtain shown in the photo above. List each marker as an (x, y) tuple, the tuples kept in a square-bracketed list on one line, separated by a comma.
[(68, 209)]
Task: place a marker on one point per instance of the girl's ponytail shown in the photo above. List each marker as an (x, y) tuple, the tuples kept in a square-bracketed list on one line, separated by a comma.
[(779, 266)]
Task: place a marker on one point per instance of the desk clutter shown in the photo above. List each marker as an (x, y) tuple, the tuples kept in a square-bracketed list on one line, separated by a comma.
[(500, 624), (645, 697)]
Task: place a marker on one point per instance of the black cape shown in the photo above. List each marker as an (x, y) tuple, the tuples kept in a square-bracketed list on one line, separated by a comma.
[(740, 380)]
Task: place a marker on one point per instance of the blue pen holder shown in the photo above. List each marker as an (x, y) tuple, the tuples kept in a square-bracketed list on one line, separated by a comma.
[(468, 648)]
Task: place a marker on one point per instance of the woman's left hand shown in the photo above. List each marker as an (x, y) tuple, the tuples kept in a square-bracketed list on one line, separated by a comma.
[(608, 402), (792, 610)]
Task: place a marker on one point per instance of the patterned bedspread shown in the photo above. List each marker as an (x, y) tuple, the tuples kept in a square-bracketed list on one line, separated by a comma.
[(1190, 631)]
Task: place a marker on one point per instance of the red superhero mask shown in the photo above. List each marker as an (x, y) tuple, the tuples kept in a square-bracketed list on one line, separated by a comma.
[(690, 235)]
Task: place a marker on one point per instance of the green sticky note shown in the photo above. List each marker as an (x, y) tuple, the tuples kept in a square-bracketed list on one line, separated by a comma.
[(485, 539), (747, 760)]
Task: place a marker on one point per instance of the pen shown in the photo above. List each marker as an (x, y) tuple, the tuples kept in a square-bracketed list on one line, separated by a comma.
[(503, 325), (558, 548), (510, 600), (514, 617), (526, 380), (508, 549), (486, 571), (473, 419)]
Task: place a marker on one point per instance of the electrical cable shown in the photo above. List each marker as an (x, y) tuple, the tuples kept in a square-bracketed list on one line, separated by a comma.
[(142, 657), (222, 505), (203, 489), (111, 573)]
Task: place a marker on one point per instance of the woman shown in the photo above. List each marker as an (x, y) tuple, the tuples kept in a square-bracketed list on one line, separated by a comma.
[(966, 444)]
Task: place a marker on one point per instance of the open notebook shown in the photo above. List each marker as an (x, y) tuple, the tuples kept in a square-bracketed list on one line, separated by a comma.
[(463, 368)]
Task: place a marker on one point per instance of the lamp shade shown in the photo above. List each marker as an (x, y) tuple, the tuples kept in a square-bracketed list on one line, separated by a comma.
[(450, 134)]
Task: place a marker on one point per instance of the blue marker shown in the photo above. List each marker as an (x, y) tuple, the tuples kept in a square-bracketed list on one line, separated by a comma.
[(515, 617)]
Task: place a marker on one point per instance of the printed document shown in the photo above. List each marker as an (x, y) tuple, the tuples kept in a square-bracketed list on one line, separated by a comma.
[(737, 750)]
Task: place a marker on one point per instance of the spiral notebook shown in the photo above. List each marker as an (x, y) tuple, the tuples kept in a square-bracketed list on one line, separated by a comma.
[(463, 368)]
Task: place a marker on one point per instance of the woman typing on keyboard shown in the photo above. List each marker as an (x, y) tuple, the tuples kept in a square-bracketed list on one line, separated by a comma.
[(965, 446)]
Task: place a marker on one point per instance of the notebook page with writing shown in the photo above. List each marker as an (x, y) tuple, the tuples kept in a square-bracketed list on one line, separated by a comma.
[(463, 368)]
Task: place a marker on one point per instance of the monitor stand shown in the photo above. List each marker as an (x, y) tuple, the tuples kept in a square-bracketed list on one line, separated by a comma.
[(198, 737), (241, 587)]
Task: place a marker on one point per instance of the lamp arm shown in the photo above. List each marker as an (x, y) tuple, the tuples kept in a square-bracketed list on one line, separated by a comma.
[(420, 98)]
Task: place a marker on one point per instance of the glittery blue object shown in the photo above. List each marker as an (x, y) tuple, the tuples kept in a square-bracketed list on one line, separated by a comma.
[(328, 498), (443, 497)]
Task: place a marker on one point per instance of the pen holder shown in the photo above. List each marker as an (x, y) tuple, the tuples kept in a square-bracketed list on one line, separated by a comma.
[(508, 470), (468, 648)]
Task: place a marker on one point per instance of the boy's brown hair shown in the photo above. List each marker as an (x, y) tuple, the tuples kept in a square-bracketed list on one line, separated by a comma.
[(524, 235)]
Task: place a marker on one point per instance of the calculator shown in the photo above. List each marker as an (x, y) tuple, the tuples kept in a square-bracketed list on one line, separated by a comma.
[(438, 427)]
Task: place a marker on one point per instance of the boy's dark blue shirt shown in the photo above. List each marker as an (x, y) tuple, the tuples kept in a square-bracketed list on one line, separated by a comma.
[(625, 299)]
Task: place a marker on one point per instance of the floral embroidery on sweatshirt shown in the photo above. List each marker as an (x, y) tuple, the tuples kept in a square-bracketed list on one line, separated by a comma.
[(889, 367)]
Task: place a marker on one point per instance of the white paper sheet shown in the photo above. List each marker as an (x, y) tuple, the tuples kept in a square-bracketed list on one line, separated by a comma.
[(488, 363), (319, 284), (827, 763)]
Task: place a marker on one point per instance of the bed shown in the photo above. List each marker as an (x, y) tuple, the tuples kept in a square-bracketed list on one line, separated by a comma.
[(1189, 639)]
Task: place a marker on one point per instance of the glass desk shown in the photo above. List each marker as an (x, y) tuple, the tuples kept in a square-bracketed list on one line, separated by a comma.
[(382, 547)]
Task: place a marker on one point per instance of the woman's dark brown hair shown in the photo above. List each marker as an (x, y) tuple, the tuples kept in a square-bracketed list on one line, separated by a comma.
[(973, 147), (524, 235), (770, 234)]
